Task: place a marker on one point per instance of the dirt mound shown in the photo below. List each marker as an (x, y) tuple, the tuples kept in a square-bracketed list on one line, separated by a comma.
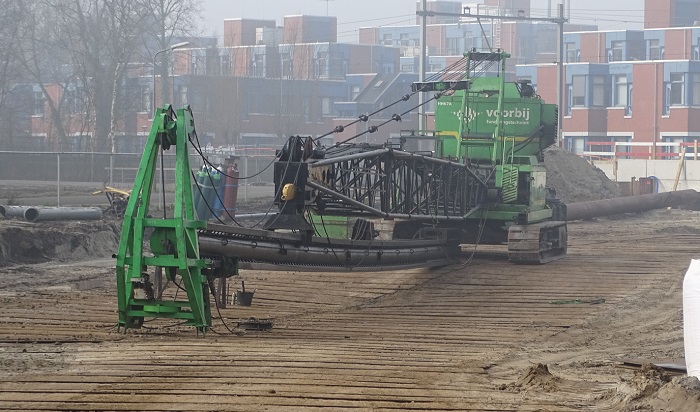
[(576, 180), (25, 242), (651, 388), (537, 376), (678, 230)]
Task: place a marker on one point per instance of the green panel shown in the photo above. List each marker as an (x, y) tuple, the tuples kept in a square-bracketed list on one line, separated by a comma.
[(538, 190), (507, 180), (528, 124), (521, 117), (334, 227)]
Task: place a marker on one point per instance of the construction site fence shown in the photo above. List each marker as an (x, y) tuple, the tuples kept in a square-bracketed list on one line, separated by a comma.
[(120, 169), (641, 150)]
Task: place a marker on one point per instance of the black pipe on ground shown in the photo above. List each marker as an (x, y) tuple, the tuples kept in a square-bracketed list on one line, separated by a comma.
[(631, 204)]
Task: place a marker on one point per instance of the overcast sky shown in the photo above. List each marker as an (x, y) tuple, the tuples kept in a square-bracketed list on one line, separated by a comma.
[(352, 14)]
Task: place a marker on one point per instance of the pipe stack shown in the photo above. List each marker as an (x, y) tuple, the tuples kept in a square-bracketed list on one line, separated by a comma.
[(42, 214)]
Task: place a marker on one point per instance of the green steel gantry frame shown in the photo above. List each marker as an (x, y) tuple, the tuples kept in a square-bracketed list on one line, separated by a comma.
[(174, 243)]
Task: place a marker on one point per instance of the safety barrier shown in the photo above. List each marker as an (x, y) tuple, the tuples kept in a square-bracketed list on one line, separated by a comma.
[(641, 150)]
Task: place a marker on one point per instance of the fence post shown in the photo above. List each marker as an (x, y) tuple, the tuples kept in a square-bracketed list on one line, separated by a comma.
[(58, 179), (111, 168), (246, 174)]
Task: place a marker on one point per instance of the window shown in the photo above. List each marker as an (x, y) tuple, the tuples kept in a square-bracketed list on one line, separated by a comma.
[(407, 68), (336, 69), (259, 65), (74, 103), (620, 91), (695, 89), (404, 39), (685, 12), (198, 62), (578, 92), (225, 64), (386, 39), (677, 89), (673, 145), (354, 92), (452, 46), (322, 64), (576, 144), (326, 106), (143, 98), (287, 66), (39, 101), (598, 92), (572, 55), (616, 51), (184, 97), (435, 67), (654, 50), (307, 107)]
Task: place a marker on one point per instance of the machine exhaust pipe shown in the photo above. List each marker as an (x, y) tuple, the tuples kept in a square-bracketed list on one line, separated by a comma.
[(630, 204), (40, 214)]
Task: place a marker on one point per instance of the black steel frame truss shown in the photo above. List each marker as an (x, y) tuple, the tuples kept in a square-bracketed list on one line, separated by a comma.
[(393, 183)]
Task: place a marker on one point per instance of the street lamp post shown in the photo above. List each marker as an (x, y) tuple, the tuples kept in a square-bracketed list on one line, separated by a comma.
[(155, 60), (158, 278)]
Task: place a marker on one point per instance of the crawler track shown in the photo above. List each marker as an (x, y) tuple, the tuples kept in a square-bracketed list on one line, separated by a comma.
[(456, 338)]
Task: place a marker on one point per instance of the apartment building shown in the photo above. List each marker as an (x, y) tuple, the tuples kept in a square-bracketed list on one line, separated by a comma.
[(263, 84), (639, 88)]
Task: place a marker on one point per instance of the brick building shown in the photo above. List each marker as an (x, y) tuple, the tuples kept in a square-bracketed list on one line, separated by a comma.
[(263, 84), (640, 88)]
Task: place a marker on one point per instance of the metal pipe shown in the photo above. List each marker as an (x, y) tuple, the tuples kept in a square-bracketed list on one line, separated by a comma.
[(369, 254), (39, 214), (630, 204), (58, 180), (422, 63), (332, 160), (344, 198), (252, 215), (13, 211), (560, 75)]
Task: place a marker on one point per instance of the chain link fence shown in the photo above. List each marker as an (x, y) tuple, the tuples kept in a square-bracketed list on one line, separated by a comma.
[(120, 169)]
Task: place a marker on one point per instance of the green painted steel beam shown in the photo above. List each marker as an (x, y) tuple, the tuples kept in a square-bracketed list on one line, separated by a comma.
[(177, 245)]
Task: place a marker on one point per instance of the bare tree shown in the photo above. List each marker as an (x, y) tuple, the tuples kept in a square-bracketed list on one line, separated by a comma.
[(100, 37), (170, 21), (78, 53), (296, 65), (12, 110), (47, 66), (224, 107)]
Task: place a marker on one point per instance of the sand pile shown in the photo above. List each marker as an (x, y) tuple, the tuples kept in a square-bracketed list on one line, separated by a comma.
[(535, 377), (576, 180), (24, 242), (652, 389)]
